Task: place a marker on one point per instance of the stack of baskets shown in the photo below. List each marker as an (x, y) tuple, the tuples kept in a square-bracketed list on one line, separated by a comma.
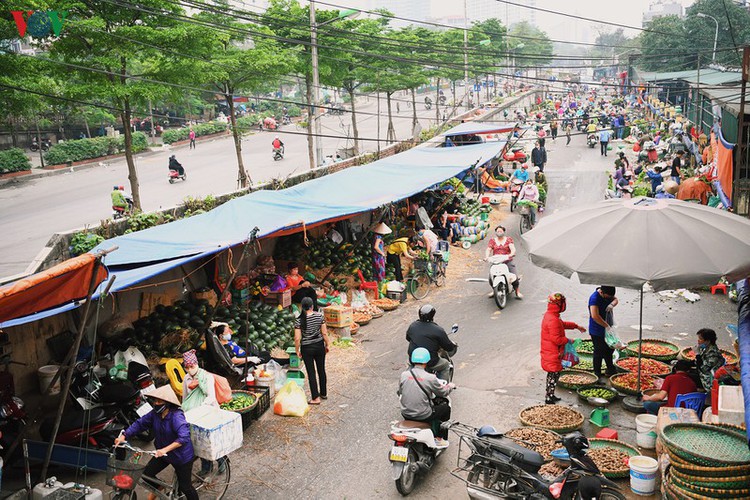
[(707, 461)]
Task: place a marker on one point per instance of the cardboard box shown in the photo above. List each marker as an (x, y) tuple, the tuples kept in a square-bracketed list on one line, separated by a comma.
[(215, 432), (731, 405), (284, 299), (668, 415), (338, 316)]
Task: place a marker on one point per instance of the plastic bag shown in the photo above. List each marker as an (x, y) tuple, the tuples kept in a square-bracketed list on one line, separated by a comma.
[(570, 356), (278, 284), (359, 299), (291, 401), (222, 388), (612, 340), (278, 372)]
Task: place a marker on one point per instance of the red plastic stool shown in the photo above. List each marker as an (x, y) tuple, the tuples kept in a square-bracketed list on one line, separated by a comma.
[(720, 287), (607, 433)]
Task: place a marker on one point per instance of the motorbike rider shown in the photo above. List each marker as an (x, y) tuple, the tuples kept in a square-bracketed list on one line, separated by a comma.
[(120, 199), (418, 390), (277, 144), (530, 192), (176, 165), (427, 334), (521, 174), (501, 244)]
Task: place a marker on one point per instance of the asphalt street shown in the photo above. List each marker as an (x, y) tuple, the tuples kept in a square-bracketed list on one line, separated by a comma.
[(340, 450), (32, 211)]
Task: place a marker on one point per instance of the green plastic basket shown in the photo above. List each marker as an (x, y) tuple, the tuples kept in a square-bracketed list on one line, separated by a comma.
[(706, 445)]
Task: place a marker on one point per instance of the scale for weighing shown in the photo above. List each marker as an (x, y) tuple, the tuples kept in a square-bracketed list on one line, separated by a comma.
[(600, 414)]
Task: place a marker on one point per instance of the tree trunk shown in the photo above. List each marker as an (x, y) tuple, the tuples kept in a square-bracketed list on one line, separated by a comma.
[(13, 131), (437, 103), (355, 131), (242, 176), (310, 117), (132, 173), (86, 123), (39, 141), (413, 109), (391, 133)]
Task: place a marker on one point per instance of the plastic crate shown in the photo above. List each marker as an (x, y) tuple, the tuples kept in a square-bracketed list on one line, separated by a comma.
[(264, 403)]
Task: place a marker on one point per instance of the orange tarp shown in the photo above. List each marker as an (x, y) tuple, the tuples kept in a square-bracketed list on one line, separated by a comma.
[(724, 164), (56, 286)]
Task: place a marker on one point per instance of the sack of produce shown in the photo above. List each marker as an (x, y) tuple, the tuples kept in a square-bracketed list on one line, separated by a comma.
[(291, 401)]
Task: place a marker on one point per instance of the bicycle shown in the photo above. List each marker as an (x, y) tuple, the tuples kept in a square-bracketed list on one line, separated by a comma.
[(426, 273), (125, 473), (525, 223)]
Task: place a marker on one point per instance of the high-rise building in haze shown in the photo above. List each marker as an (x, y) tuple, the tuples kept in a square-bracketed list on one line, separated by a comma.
[(481, 10), (418, 10), (661, 8)]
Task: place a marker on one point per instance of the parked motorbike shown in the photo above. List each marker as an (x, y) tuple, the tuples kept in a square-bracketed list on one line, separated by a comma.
[(12, 412), (93, 428), (592, 140), (122, 400), (515, 191), (46, 144), (278, 154), (175, 176), (494, 466), (285, 120), (414, 450)]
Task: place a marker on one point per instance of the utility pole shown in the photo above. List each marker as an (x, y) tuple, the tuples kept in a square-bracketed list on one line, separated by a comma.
[(699, 99), (316, 84), (741, 157), (466, 52)]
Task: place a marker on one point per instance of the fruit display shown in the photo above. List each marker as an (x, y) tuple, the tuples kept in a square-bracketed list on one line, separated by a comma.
[(361, 318), (609, 459), (597, 392), (628, 383), (540, 440), (689, 355), (656, 349), (552, 417), (573, 379), (585, 346), (372, 310), (386, 304), (263, 325), (585, 364), (170, 330), (648, 366)]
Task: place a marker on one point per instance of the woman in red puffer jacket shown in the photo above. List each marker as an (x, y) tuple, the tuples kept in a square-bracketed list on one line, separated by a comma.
[(553, 342)]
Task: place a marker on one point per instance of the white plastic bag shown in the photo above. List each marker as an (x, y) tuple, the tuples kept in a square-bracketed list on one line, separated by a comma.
[(291, 401), (359, 299)]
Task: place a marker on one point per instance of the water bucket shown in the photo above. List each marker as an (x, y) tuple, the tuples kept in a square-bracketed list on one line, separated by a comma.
[(485, 199), (643, 475), (645, 426), (46, 374), (269, 382)]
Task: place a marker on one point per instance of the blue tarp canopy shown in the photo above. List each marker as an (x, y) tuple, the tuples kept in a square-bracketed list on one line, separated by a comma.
[(150, 252), (469, 128)]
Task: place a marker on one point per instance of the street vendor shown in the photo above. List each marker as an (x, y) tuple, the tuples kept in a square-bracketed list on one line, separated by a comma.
[(427, 239), (490, 182), (299, 286), (398, 248), (237, 354), (601, 304), (708, 357), (378, 251), (679, 382)]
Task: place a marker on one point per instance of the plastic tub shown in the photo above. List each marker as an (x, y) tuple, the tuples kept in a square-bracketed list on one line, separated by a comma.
[(643, 472), (46, 373), (645, 426)]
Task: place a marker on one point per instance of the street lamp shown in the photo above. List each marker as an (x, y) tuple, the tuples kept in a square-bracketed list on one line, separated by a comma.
[(716, 35), (343, 14)]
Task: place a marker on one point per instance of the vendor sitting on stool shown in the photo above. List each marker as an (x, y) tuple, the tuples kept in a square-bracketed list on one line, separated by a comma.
[(679, 382), (237, 354), (300, 287)]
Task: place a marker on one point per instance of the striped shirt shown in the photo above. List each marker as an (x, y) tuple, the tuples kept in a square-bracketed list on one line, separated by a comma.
[(311, 335)]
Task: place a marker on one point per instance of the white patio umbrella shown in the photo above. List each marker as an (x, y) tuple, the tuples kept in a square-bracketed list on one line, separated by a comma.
[(630, 242)]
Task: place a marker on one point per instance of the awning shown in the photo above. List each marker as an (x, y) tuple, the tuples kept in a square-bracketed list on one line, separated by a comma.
[(479, 128), (348, 192), (60, 285)]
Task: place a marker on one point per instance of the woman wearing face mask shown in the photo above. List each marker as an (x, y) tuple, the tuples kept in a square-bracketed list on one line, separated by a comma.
[(708, 357), (501, 244), (238, 355), (198, 389), (171, 439)]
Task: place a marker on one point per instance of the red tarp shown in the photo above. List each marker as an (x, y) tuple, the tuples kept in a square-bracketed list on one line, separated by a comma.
[(56, 286)]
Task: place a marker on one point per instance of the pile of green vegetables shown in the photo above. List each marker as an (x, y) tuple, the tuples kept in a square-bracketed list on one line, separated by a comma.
[(239, 401)]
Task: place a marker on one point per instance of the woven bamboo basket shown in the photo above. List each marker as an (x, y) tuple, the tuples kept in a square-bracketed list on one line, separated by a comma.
[(572, 427), (706, 445)]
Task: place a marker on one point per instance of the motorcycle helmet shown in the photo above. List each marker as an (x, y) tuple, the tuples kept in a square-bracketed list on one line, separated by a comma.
[(121, 188), (559, 299), (276, 138), (172, 157), (427, 313), (487, 430), (116, 188), (420, 355)]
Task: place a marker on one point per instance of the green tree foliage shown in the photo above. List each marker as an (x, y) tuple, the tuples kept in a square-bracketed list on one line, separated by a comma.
[(664, 46), (533, 51)]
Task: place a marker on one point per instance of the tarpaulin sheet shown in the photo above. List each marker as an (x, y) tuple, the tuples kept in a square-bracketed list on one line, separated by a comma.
[(125, 278), (348, 192), (59, 285), (479, 128), (743, 333)]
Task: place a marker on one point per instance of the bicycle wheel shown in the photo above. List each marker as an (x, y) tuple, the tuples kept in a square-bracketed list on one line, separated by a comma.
[(420, 285), (212, 485), (525, 223), (125, 495), (440, 274)]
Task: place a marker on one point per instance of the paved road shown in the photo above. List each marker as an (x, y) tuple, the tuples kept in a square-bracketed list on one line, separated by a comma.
[(340, 450), (33, 211)]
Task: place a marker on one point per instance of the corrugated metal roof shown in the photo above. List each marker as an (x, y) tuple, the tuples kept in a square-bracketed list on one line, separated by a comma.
[(728, 99), (716, 77), (707, 76)]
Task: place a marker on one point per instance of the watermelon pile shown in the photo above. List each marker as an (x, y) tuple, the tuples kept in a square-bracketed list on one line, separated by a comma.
[(263, 325), (181, 317)]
